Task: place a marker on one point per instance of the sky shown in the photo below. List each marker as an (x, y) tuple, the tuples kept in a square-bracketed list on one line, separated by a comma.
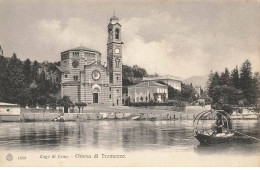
[(181, 38)]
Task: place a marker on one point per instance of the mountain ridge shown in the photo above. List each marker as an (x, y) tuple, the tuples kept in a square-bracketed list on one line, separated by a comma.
[(197, 81)]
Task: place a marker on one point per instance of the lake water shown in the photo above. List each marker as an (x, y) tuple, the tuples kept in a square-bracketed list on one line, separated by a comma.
[(122, 135)]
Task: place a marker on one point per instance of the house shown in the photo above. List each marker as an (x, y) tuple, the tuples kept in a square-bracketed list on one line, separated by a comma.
[(147, 91)]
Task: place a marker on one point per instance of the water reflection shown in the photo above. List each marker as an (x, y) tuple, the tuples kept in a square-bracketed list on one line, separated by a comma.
[(127, 135)]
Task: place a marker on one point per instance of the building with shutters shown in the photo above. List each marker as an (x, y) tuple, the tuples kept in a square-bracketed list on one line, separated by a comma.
[(147, 91)]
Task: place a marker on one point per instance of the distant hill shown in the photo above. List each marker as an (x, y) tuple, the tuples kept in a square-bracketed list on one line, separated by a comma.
[(197, 81)]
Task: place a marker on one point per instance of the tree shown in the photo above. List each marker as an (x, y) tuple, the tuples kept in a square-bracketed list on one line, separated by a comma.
[(173, 94), (235, 78), (33, 91), (127, 75), (188, 93), (247, 83), (42, 100), (132, 73), (20, 83), (14, 87), (213, 84), (3, 76), (255, 91), (225, 78), (208, 83), (139, 72), (35, 70), (235, 89), (27, 71), (226, 95), (81, 105), (65, 101)]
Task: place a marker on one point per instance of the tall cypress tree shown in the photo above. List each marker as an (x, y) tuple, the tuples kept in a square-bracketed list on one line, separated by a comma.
[(214, 83), (235, 80), (35, 71), (27, 70), (208, 83), (246, 82), (225, 78)]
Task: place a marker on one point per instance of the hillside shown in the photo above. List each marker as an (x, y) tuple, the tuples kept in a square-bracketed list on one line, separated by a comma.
[(197, 80)]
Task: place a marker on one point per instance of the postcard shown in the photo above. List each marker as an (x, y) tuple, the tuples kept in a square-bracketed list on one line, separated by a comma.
[(127, 83)]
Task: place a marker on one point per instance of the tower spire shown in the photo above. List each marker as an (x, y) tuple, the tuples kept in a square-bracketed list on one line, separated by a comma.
[(114, 19)]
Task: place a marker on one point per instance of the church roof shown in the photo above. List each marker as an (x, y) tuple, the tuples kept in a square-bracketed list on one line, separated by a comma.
[(62, 69), (82, 48)]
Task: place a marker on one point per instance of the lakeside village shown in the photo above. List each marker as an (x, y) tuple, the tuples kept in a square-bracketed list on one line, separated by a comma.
[(80, 87)]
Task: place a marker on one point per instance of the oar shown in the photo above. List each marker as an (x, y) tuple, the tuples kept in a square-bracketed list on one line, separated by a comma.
[(247, 135)]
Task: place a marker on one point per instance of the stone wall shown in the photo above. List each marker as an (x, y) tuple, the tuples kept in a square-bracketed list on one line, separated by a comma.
[(39, 116), (171, 108)]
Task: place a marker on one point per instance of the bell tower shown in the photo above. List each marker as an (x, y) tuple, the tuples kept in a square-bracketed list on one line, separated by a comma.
[(114, 59)]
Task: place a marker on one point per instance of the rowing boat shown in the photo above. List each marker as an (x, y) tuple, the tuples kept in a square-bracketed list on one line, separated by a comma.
[(210, 135), (214, 139)]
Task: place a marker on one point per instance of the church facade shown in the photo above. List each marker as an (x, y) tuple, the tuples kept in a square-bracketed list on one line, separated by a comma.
[(85, 79)]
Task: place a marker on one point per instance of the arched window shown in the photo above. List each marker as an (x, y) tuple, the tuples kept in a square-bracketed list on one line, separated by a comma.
[(117, 33), (110, 33), (117, 62)]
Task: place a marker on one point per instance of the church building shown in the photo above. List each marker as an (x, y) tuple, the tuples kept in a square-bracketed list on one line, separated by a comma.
[(85, 79)]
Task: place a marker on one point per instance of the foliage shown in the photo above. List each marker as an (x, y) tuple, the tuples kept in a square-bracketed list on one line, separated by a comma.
[(235, 78), (81, 105), (130, 74), (13, 87), (234, 89), (174, 94), (248, 84), (225, 78), (187, 93), (22, 83), (65, 101)]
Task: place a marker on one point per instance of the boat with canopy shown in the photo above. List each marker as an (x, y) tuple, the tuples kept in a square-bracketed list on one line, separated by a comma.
[(213, 127)]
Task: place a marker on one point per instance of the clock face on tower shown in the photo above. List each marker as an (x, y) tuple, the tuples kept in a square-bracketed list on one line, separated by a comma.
[(96, 75)]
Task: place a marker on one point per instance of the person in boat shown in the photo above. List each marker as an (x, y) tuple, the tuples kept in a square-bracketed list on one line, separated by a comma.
[(228, 124), (219, 123)]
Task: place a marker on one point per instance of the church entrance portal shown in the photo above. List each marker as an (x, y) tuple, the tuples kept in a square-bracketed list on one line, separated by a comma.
[(95, 97), (66, 109)]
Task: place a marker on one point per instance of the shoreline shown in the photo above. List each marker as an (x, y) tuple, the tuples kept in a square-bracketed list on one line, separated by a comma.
[(116, 113), (68, 117)]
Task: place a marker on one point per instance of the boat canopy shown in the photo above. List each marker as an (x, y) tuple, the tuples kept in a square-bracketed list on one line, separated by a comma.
[(207, 118)]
